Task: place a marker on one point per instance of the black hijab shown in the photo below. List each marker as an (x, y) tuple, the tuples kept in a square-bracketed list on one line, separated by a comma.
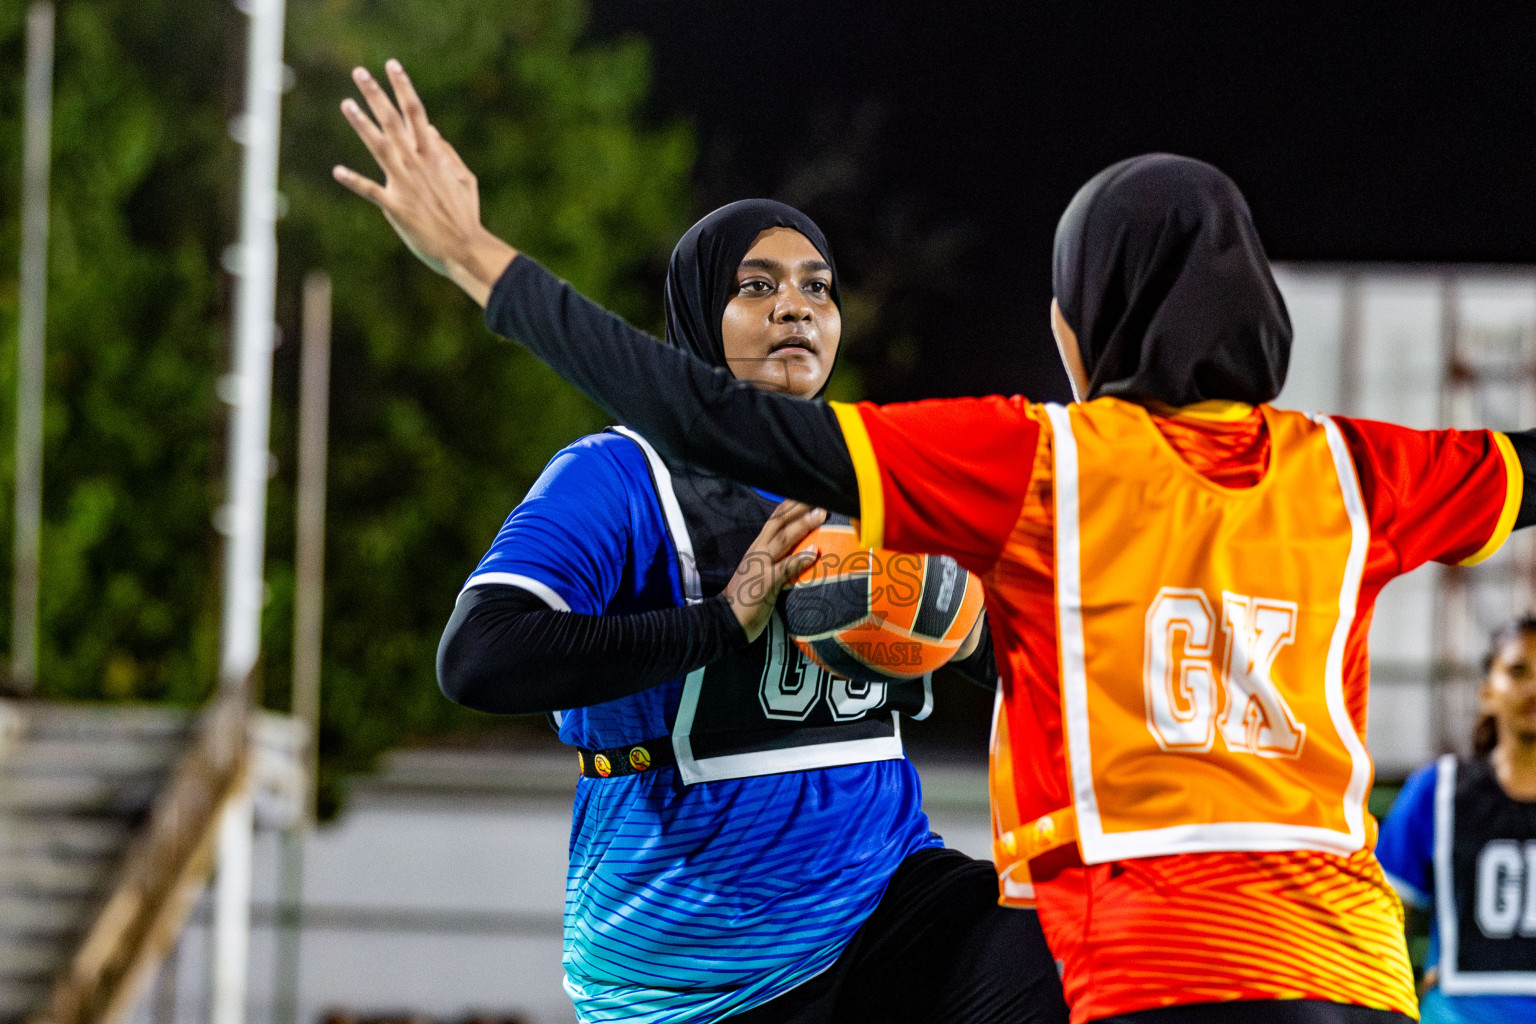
[(1160, 272), (703, 267)]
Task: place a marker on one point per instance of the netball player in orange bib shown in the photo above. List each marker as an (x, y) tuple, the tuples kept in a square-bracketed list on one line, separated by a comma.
[(1179, 579)]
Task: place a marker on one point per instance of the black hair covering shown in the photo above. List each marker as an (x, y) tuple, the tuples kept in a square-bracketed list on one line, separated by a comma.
[(1160, 272), (703, 267)]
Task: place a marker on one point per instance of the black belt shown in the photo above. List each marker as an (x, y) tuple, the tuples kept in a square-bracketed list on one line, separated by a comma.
[(631, 759)]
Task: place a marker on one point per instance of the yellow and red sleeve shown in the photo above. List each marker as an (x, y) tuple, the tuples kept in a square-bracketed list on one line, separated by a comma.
[(1448, 496), (945, 476), (1514, 487), (867, 467)]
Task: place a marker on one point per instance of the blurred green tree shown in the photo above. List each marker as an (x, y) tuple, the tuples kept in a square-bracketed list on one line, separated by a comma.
[(436, 429)]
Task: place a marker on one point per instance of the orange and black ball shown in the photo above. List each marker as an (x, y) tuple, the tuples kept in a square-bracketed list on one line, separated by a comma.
[(869, 613)]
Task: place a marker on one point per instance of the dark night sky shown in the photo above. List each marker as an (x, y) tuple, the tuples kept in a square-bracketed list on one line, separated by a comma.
[(1381, 131)]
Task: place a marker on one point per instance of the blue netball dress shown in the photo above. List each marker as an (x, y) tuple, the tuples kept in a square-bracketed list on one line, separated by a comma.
[(1458, 846), (705, 888)]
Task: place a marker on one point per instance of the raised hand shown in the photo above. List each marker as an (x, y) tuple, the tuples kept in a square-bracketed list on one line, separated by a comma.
[(429, 196)]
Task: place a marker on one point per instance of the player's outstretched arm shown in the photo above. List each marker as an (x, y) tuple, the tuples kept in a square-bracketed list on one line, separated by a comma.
[(689, 410)]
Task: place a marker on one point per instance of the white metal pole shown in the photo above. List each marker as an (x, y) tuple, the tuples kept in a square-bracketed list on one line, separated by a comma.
[(232, 917), (245, 510), (33, 300), (244, 515)]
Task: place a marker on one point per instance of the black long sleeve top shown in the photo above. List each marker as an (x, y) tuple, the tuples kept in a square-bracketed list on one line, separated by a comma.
[(506, 652)]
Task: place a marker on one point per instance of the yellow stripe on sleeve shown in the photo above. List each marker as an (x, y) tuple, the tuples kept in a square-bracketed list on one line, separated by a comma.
[(1514, 487), (867, 468)]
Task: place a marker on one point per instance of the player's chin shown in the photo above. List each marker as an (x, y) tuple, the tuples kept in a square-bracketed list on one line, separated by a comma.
[(804, 373), (806, 386)]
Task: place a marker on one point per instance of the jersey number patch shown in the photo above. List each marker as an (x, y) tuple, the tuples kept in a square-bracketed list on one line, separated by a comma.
[(1189, 703), (792, 685), (1506, 889)]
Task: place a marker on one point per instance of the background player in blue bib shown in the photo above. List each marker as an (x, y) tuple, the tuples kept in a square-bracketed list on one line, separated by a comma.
[(1461, 843), (748, 840)]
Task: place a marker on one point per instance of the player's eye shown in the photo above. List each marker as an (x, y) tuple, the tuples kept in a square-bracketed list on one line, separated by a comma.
[(754, 286), (819, 287)]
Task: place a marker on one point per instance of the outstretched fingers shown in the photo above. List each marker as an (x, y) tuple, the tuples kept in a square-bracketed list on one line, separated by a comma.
[(384, 134)]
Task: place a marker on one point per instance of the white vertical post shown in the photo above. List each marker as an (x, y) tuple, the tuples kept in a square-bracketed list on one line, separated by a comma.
[(232, 917), (244, 514), (33, 288)]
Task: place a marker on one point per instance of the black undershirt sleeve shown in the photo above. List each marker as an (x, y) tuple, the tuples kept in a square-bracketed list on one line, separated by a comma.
[(1524, 444), (691, 412), (981, 667), (508, 653)]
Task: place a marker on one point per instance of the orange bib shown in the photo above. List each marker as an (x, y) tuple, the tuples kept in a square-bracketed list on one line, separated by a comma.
[(1201, 632)]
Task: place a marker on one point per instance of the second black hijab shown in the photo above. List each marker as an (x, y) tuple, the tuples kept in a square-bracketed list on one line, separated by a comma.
[(702, 271), (1160, 272)]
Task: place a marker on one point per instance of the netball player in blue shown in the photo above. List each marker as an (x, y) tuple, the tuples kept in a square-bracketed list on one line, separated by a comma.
[(1460, 843), (748, 840), (747, 830)]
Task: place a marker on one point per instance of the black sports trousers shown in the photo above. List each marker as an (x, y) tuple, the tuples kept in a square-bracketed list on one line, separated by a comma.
[(938, 950)]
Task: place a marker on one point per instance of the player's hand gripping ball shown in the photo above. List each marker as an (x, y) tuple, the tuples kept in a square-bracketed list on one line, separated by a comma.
[(869, 613)]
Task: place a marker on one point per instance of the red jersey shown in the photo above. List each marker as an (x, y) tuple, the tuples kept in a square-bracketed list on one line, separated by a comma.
[(1189, 686)]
